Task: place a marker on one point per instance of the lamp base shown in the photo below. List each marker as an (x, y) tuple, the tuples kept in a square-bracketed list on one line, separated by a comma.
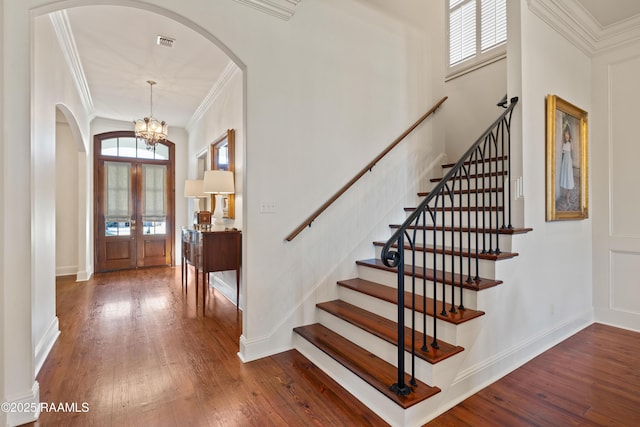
[(217, 212)]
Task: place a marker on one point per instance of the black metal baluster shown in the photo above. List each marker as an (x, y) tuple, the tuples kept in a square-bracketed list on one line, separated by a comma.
[(514, 100), (497, 188), (424, 277), (412, 245), (452, 196), (479, 231), (490, 190), (444, 255), (434, 344), (504, 176), (400, 387)]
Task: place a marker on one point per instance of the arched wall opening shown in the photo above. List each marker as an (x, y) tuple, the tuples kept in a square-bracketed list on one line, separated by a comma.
[(76, 124)]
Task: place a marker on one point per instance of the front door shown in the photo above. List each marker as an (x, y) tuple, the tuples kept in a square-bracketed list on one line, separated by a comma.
[(133, 193)]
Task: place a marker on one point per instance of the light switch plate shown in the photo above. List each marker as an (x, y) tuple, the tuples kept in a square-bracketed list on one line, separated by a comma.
[(268, 207)]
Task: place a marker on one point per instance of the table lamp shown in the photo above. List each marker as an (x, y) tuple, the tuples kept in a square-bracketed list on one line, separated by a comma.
[(193, 189), (218, 182)]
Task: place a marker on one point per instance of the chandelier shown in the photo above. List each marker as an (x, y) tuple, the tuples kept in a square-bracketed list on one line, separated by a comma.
[(149, 128)]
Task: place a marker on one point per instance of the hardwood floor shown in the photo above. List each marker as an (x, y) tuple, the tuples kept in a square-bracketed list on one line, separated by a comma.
[(139, 353), (136, 350), (590, 379)]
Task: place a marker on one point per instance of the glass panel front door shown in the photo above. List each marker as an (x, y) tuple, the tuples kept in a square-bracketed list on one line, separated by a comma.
[(133, 205)]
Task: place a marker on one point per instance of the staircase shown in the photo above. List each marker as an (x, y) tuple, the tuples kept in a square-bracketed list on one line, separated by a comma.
[(395, 337)]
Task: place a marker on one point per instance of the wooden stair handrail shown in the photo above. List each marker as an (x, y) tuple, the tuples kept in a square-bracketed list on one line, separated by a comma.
[(367, 168)]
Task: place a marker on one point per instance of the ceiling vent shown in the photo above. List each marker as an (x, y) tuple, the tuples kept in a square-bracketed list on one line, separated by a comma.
[(165, 41)]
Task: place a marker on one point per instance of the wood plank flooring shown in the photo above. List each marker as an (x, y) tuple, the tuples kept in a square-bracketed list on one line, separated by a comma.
[(590, 379), (134, 347)]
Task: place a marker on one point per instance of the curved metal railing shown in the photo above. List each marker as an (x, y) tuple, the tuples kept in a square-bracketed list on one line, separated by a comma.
[(468, 207)]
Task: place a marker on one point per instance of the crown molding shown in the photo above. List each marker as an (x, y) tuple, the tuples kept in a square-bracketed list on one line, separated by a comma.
[(62, 28), (283, 9), (570, 19), (208, 100)]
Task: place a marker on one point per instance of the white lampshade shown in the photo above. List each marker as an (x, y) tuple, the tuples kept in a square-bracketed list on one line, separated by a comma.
[(193, 188), (218, 182)]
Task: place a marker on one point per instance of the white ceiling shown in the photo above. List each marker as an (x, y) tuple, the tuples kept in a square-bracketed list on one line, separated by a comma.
[(611, 12), (117, 49)]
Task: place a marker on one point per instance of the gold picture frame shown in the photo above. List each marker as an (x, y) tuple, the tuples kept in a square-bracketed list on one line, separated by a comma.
[(566, 161)]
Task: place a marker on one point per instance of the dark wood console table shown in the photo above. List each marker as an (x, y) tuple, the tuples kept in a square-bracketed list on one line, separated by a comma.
[(210, 251)]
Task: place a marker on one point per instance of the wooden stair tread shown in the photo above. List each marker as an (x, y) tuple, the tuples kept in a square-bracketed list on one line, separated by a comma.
[(474, 176), (446, 277), (370, 368), (388, 330), (447, 250), (462, 208), (505, 231), (480, 161), (466, 191), (423, 305)]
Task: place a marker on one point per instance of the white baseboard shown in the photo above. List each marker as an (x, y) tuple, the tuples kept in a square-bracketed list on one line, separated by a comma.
[(259, 348), (46, 342), (68, 270), (83, 276), (30, 400), (229, 291)]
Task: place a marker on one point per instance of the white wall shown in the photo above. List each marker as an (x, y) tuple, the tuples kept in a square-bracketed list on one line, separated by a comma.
[(52, 85), (340, 83), (3, 275), (615, 177), (66, 201), (471, 106), (226, 112), (555, 282)]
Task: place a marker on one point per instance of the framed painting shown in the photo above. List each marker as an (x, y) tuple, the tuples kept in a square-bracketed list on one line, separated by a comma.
[(566, 161)]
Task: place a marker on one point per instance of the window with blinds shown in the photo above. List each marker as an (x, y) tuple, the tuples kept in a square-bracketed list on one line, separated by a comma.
[(117, 192), (154, 200), (477, 32)]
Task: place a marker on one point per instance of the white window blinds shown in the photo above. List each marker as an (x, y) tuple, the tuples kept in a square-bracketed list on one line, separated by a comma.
[(493, 23), (475, 26), (462, 31), (117, 191), (154, 206)]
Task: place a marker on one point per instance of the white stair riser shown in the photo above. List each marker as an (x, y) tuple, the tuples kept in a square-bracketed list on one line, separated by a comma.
[(482, 182), (482, 198), (360, 389), (431, 374), (445, 330), (486, 268), (453, 239), (390, 278), (484, 219)]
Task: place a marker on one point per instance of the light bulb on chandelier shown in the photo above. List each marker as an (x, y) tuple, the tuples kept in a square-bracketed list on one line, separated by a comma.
[(151, 129)]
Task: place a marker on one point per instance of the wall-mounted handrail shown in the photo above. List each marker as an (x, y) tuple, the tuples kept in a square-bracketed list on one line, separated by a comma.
[(367, 168)]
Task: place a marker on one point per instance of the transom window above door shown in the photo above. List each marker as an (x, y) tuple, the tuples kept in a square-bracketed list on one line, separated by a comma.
[(132, 147)]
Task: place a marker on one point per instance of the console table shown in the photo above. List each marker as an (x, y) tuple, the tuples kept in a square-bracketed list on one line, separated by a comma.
[(210, 251)]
